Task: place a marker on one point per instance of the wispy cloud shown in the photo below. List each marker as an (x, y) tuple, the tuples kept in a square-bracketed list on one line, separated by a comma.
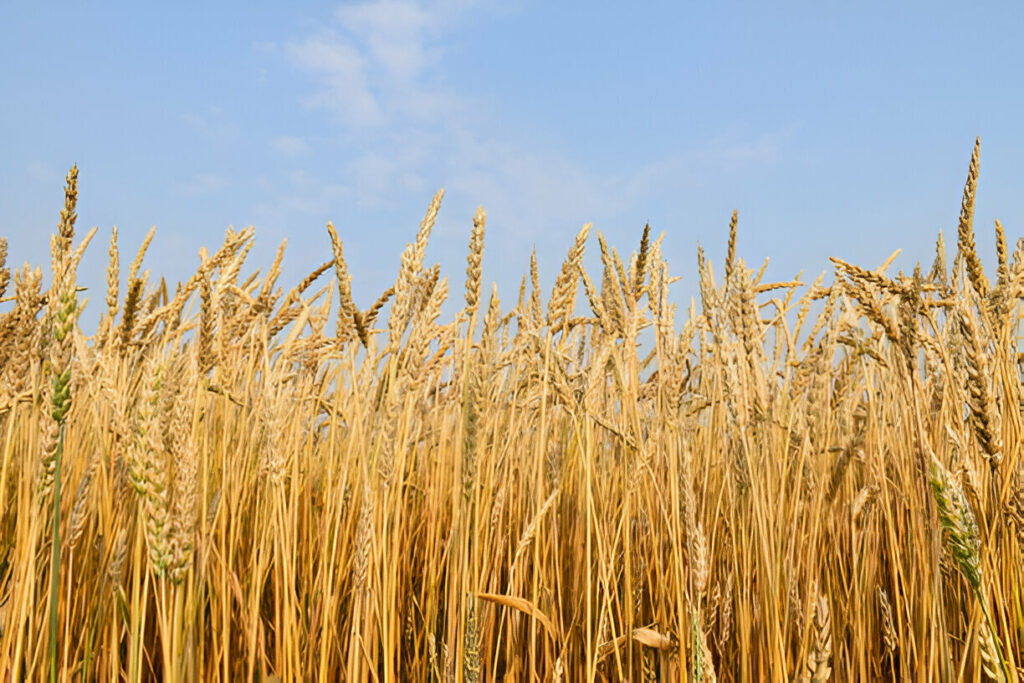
[(213, 124), (204, 184), (379, 69), (43, 172), (344, 86), (375, 63), (396, 34), (289, 145)]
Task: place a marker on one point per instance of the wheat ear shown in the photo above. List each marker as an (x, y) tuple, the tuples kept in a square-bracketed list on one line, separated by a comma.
[(473, 262), (965, 228)]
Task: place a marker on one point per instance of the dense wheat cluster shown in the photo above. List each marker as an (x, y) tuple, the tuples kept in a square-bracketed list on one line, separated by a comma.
[(234, 480)]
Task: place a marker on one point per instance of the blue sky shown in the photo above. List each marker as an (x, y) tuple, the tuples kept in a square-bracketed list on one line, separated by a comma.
[(834, 130)]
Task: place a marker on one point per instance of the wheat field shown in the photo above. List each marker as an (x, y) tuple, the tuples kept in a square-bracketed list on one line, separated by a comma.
[(233, 479)]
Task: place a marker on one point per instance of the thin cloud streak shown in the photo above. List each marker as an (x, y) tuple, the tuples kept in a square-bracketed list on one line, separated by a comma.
[(377, 71)]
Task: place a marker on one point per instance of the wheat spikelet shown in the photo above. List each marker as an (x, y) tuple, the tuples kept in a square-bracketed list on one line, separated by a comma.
[(875, 311), (286, 312), (535, 308), (131, 308), (79, 252), (276, 407), (867, 278), (115, 570), (991, 659), (730, 256), (839, 469), (795, 605), (938, 272), (233, 260), (492, 322), (26, 332), (699, 563), (889, 637), (862, 504), (205, 352), (965, 228), (265, 298), (611, 284), (423, 289), (1002, 269), (222, 257), (984, 413), (407, 284), (371, 314), (62, 307), (597, 304), (957, 520), (521, 299), (611, 299), (213, 508), (725, 615), (648, 668), (113, 276), (28, 295), (624, 280), (664, 313), (432, 295), (80, 509), (423, 332), (563, 295), (471, 420), (426, 225), (688, 497), (1003, 297), (148, 470), (702, 668), (708, 663), (909, 309), (742, 313), (497, 511), (709, 295), (348, 316), (5, 272), (364, 537), (473, 262), (1015, 504), (471, 649), (818, 669), (60, 246), (404, 287), (642, 262), (433, 670), (832, 298), (136, 264), (1015, 289), (184, 506), (1017, 271), (530, 532)]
